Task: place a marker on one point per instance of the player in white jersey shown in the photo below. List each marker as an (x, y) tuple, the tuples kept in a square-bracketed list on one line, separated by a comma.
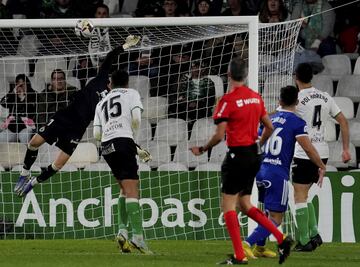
[(316, 108), (116, 122)]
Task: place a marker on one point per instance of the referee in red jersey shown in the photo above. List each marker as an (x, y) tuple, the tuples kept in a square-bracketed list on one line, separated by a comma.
[(238, 114)]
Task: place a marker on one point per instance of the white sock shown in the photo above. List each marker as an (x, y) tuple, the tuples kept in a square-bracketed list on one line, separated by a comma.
[(25, 172)]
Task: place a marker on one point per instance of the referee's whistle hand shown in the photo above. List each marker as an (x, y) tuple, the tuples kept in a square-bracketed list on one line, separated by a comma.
[(195, 150)]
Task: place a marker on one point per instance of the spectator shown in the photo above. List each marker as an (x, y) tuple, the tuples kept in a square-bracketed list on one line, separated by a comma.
[(21, 102), (202, 8), (169, 9), (4, 12), (59, 9), (316, 31), (195, 97), (236, 8), (273, 11), (56, 96)]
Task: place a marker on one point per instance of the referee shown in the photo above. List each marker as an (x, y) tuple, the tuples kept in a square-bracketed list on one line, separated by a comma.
[(238, 115)]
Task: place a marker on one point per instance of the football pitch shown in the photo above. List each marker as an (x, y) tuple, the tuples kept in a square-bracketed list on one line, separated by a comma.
[(91, 253)]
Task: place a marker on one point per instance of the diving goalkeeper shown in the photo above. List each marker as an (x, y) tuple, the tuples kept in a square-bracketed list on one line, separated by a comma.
[(68, 125)]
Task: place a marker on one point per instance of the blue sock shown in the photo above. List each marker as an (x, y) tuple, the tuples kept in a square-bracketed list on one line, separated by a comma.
[(259, 236)]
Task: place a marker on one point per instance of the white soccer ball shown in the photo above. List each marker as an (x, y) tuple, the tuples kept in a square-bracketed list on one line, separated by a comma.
[(84, 28)]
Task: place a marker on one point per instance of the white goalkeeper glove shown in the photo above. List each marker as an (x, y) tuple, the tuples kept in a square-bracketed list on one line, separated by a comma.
[(130, 41), (143, 154)]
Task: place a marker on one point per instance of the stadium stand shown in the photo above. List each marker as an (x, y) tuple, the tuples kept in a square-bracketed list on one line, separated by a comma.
[(336, 66)]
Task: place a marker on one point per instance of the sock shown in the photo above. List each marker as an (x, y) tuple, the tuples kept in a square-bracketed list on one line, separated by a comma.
[(233, 228), (47, 173), (259, 235), (134, 215), (313, 229), (30, 157), (256, 214), (302, 221), (122, 214)]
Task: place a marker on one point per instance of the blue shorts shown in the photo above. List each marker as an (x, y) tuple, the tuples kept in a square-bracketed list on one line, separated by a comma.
[(273, 190)]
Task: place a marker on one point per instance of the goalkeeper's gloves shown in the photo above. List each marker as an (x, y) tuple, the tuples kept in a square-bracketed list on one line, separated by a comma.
[(130, 41), (143, 154)]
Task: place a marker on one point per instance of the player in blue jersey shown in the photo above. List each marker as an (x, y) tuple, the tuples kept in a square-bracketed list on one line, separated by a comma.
[(272, 178)]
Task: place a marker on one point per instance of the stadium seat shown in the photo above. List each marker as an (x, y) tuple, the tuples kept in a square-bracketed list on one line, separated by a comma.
[(330, 131), (209, 167), (71, 66), (335, 149), (144, 167), (113, 6), (336, 66), (18, 168), (4, 86), (160, 152), (202, 130), (141, 84), (11, 66), (172, 166), (354, 128), (349, 86), (186, 157), (44, 67), (331, 168), (272, 87), (37, 84), (11, 154), (171, 131), (357, 67), (218, 153), (346, 106), (323, 83), (219, 85), (155, 108), (84, 154), (145, 133), (28, 46), (68, 167), (47, 155), (98, 166)]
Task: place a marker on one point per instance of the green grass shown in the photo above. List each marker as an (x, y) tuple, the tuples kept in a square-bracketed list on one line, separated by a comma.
[(167, 253)]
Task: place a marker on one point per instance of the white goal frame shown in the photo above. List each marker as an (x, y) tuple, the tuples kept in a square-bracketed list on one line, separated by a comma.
[(251, 21)]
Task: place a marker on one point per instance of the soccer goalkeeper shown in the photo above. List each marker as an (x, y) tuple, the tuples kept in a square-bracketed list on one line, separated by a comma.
[(117, 120), (68, 125)]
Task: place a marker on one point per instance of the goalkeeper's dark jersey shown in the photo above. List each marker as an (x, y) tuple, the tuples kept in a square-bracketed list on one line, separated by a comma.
[(76, 117)]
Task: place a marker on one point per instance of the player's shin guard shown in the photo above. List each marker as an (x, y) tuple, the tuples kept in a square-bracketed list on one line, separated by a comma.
[(30, 157), (313, 229), (47, 173), (257, 215), (122, 214), (134, 215), (302, 222), (233, 228)]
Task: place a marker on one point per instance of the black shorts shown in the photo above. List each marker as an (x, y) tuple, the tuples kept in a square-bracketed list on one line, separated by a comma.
[(304, 171), (239, 169), (63, 137), (120, 154)]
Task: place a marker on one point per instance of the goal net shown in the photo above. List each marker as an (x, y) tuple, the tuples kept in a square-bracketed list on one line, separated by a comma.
[(180, 71)]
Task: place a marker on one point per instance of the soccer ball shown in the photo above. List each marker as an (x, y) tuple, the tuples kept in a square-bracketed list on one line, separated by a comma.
[(84, 28)]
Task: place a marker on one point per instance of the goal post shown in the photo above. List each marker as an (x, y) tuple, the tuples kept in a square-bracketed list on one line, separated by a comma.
[(180, 194)]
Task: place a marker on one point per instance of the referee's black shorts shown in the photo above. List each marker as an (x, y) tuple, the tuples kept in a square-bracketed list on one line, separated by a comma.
[(120, 154), (64, 137), (239, 169), (304, 171)]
